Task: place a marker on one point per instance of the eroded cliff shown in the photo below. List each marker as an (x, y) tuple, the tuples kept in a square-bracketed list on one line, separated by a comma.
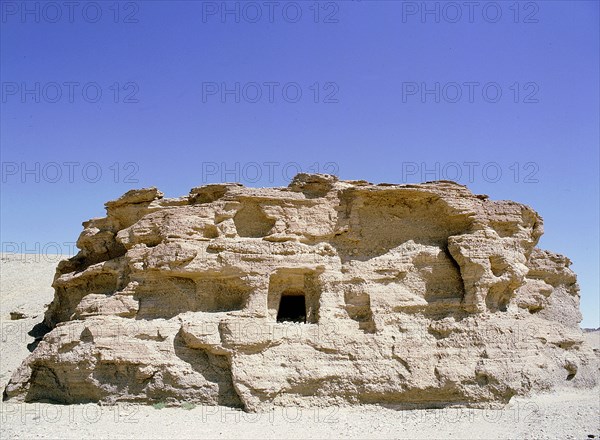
[(325, 292)]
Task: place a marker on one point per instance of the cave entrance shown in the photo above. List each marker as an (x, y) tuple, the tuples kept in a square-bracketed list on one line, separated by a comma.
[(294, 295), (292, 308)]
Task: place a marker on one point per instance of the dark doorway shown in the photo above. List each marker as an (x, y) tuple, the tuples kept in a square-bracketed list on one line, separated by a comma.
[(292, 308)]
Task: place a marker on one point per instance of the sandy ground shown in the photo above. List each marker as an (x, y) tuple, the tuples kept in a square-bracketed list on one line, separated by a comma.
[(25, 287)]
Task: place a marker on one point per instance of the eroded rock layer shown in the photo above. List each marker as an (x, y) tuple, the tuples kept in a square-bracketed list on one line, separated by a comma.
[(325, 292)]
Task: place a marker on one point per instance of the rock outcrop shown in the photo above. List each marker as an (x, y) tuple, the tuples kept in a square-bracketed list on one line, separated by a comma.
[(322, 293)]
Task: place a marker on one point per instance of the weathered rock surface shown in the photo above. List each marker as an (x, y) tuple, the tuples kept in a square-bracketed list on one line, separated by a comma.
[(324, 292)]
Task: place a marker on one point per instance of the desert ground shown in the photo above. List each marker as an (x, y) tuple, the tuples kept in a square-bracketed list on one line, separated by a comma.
[(25, 290)]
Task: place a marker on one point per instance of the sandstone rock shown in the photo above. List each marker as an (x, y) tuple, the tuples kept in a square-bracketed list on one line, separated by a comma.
[(17, 314), (325, 292)]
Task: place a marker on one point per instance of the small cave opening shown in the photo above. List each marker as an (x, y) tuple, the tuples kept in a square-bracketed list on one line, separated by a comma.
[(294, 295), (571, 370), (292, 308)]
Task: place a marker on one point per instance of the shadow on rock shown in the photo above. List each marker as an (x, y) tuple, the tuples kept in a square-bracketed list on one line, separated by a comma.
[(38, 331)]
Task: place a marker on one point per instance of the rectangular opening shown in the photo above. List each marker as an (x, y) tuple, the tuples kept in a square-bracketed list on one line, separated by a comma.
[(292, 308), (294, 295)]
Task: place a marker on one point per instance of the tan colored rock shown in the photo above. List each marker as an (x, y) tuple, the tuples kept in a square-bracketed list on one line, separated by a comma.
[(325, 292)]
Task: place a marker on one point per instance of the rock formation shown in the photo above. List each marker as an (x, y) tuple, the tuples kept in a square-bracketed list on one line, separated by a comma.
[(326, 292)]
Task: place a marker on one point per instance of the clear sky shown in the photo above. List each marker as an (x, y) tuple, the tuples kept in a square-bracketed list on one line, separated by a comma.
[(102, 97)]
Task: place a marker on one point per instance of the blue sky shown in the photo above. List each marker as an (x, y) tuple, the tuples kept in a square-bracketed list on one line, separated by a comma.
[(179, 94)]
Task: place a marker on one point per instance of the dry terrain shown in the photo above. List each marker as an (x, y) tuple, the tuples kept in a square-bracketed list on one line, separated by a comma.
[(25, 286)]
